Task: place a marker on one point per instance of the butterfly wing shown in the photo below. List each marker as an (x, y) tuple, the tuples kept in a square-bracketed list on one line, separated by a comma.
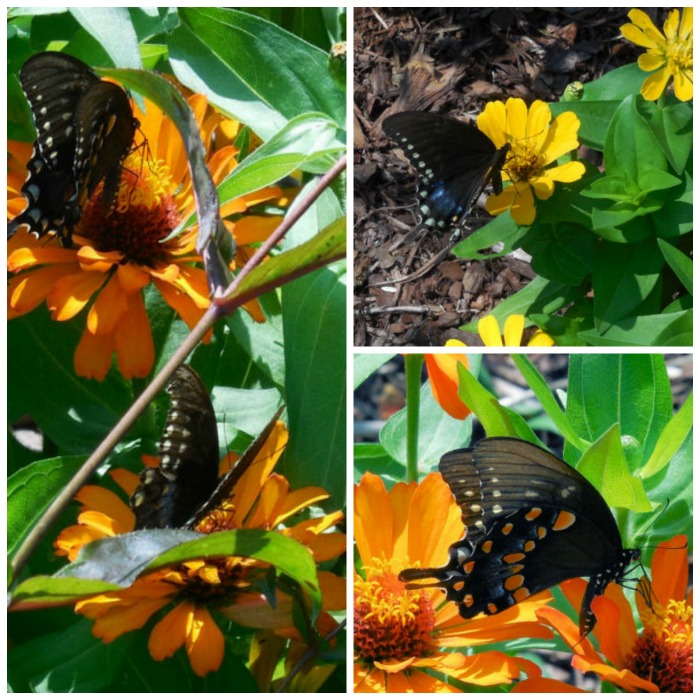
[(53, 84), (454, 160), (227, 485), (85, 127), (531, 522), (189, 458), (105, 128)]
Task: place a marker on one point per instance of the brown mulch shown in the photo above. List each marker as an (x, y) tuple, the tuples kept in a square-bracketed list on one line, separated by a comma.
[(452, 61)]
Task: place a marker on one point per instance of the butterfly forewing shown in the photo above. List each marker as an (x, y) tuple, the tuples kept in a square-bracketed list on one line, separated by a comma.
[(531, 521), (454, 159), (53, 83), (105, 132), (189, 458), (225, 488)]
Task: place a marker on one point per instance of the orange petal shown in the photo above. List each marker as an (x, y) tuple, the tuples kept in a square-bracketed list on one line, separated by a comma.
[(93, 356), (109, 307), (27, 291), (373, 530), (133, 340), (170, 633), (444, 382), (71, 293), (205, 642)]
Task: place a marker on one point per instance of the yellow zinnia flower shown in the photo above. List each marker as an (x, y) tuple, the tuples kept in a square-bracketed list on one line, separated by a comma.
[(119, 254), (534, 144), (669, 55)]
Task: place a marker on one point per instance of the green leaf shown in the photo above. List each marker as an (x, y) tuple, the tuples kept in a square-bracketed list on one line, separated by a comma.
[(671, 439), (438, 433), (629, 390), (605, 467), (626, 281), (303, 140), (550, 404), (286, 554), (497, 420), (372, 457), (539, 296), (113, 29), (681, 264), (326, 247), (656, 330), (502, 229), (74, 413), (366, 365), (70, 661), (31, 490), (44, 591), (672, 487), (630, 145), (282, 70), (314, 343), (561, 253)]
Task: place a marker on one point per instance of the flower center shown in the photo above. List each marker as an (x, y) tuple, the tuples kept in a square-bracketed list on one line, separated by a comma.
[(212, 580), (679, 54), (391, 622), (523, 163), (143, 215), (664, 652)]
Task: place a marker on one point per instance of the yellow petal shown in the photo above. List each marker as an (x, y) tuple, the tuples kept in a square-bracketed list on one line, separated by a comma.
[(513, 330), (489, 331)]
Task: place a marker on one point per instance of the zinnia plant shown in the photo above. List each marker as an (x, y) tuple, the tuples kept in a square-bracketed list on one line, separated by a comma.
[(225, 584), (106, 303), (611, 245), (409, 634)]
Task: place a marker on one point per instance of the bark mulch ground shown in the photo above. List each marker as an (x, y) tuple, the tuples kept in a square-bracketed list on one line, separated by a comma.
[(452, 61)]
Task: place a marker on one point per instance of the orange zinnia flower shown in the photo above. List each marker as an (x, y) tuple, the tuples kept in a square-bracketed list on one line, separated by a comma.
[(261, 500), (400, 634), (444, 381), (120, 254), (660, 658)]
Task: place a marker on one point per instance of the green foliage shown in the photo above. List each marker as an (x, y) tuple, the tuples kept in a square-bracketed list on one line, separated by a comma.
[(269, 69), (621, 237)]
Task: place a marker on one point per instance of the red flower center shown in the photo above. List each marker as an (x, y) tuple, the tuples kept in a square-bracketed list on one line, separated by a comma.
[(138, 222), (389, 621), (664, 652)]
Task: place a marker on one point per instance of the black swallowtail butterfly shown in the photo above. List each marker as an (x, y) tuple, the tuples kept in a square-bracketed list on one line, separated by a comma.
[(531, 521), (454, 160), (85, 128), (186, 486)]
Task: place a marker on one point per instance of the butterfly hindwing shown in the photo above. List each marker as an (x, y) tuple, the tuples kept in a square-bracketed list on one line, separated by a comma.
[(105, 132), (455, 162)]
